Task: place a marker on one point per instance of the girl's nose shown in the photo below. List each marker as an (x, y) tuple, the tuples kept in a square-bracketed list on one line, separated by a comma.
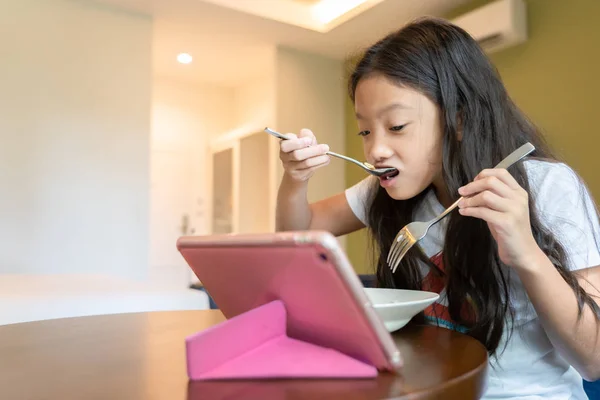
[(379, 151)]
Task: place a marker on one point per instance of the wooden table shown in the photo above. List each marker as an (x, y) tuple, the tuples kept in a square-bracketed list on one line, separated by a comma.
[(141, 356)]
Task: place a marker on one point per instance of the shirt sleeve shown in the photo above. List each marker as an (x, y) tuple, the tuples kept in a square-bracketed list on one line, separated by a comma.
[(566, 208), (357, 198)]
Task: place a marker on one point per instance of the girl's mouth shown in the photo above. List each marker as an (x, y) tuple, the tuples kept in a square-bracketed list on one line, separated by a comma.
[(390, 174), (387, 179)]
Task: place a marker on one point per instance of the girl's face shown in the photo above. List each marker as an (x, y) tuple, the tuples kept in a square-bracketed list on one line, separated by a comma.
[(401, 128)]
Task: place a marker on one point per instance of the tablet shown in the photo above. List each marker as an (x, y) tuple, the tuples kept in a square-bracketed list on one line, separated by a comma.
[(309, 272)]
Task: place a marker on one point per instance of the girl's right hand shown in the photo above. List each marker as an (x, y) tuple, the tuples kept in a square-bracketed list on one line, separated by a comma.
[(301, 155)]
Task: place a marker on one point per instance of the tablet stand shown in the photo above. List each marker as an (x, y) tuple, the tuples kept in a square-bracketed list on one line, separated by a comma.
[(255, 345)]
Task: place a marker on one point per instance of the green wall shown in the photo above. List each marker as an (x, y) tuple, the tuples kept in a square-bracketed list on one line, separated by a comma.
[(553, 77)]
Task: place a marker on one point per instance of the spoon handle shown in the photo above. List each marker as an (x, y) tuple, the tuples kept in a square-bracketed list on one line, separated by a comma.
[(352, 160)]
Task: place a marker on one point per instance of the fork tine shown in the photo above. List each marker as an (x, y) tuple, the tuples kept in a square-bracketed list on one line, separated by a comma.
[(403, 248), (394, 259), (397, 248), (394, 248), (400, 242), (391, 251)]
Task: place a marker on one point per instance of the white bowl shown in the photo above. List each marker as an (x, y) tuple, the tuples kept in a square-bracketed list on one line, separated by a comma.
[(397, 306)]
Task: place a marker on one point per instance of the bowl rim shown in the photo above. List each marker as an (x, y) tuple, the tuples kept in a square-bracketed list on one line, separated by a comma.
[(432, 297)]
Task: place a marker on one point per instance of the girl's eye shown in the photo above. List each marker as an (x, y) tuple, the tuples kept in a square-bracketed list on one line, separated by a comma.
[(397, 128), (363, 133)]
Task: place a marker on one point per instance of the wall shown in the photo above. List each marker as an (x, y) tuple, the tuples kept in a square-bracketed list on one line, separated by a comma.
[(254, 102), (310, 90), (185, 117), (552, 77), (75, 89), (184, 112)]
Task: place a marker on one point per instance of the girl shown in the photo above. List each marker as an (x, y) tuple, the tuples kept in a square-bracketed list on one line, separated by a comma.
[(517, 265)]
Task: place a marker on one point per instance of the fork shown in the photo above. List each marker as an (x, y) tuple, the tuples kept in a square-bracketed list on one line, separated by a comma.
[(415, 231)]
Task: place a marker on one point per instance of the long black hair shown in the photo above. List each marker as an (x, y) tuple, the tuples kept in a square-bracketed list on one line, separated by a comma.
[(443, 62)]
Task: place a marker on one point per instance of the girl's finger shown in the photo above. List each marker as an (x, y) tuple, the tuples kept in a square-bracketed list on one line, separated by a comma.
[(488, 215), (489, 183), (307, 133), (501, 174), (313, 162), (295, 143), (306, 153), (487, 199)]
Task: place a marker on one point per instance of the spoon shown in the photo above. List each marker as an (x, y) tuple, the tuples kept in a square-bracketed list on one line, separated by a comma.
[(364, 165)]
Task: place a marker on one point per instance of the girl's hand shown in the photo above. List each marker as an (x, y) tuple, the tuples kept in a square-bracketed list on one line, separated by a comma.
[(496, 197), (301, 156)]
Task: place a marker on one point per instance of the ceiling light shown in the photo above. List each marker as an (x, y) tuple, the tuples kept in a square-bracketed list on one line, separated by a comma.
[(327, 10), (184, 58)]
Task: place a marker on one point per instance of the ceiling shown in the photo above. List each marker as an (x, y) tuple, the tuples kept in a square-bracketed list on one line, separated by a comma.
[(231, 45)]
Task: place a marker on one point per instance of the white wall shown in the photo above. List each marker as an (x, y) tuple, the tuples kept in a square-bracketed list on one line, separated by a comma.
[(184, 119), (75, 86), (183, 110), (255, 102)]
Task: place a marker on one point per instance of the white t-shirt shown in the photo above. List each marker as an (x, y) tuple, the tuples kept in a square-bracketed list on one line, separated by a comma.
[(529, 367)]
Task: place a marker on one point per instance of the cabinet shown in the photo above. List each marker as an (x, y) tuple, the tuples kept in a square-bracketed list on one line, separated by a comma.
[(244, 175)]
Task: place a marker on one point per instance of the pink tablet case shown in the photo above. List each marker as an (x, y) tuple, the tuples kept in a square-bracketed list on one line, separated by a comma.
[(290, 310), (255, 345)]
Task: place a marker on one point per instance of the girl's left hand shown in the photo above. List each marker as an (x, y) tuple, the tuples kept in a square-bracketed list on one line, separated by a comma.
[(496, 197)]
